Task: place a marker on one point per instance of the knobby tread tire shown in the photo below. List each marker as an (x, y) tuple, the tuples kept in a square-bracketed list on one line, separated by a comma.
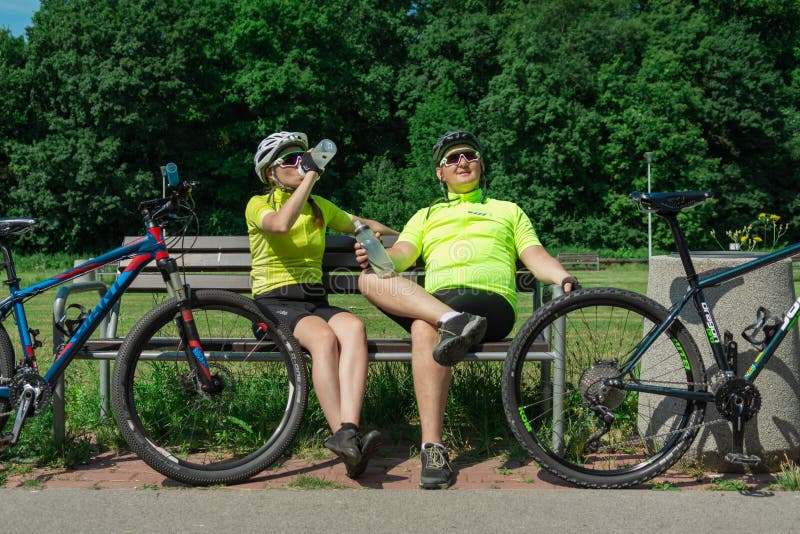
[(513, 372), (217, 471)]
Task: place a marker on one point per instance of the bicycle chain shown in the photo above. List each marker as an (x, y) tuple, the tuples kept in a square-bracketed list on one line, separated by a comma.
[(665, 434), (702, 385)]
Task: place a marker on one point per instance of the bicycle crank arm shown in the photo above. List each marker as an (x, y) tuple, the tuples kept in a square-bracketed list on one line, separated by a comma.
[(737, 455), (25, 405)]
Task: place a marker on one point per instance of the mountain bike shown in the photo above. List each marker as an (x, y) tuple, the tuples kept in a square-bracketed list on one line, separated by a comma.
[(622, 392), (207, 387)]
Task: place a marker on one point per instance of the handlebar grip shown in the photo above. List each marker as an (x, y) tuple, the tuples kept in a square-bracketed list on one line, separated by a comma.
[(172, 174)]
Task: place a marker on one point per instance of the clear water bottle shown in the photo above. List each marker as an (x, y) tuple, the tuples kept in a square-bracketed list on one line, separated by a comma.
[(323, 152), (378, 257)]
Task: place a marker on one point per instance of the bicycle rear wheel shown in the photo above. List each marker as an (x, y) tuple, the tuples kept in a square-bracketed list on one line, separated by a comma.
[(562, 409), (202, 438), (6, 371)]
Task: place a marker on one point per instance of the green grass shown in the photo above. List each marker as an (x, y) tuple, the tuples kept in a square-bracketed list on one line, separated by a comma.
[(788, 478), (308, 482), (728, 484), (664, 486)]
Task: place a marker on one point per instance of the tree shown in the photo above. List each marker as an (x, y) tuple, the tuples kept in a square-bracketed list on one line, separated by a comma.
[(14, 87), (114, 93)]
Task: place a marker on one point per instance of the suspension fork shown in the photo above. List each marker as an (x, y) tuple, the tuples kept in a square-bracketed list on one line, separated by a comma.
[(195, 355)]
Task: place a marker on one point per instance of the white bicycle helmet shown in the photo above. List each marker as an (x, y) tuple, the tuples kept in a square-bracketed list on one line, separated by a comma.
[(271, 145)]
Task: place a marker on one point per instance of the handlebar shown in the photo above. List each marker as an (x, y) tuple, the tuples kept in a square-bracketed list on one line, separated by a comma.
[(177, 192)]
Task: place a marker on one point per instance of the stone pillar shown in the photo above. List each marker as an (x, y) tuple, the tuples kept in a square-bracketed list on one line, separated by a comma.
[(775, 430)]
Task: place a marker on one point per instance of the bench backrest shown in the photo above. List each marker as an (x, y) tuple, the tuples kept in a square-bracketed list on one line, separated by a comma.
[(224, 262)]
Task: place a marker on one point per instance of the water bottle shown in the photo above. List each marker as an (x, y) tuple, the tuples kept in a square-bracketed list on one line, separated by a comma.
[(323, 152), (378, 257)]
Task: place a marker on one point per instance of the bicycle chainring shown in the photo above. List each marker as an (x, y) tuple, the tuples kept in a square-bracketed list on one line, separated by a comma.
[(736, 396), (44, 393)]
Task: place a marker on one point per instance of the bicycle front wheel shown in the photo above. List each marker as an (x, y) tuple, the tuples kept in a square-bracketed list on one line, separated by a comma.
[(197, 437), (564, 405)]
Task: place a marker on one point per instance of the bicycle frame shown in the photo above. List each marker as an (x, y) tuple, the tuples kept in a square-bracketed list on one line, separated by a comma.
[(695, 293), (142, 251)]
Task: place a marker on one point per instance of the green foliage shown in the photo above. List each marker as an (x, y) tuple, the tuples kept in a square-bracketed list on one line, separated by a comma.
[(788, 478), (566, 95), (728, 484)]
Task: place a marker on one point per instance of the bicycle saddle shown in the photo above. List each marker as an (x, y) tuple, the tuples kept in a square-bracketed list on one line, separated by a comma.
[(16, 226), (669, 202)]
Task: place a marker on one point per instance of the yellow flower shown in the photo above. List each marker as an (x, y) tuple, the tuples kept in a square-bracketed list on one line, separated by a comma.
[(743, 238), (774, 217), (762, 215), (757, 239)]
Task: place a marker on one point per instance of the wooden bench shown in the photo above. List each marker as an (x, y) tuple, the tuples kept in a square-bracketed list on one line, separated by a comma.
[(580, 259), (223, 262)]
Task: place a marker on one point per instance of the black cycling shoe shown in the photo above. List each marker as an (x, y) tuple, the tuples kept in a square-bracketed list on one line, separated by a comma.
[(437, 473), (369, 445), (456, 336), (344, 443)]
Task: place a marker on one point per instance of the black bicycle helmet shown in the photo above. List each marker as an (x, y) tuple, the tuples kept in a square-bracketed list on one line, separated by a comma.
[(452, 138)]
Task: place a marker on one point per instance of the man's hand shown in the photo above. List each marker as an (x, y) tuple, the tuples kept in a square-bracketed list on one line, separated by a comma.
[(570, 283), (361, 254)]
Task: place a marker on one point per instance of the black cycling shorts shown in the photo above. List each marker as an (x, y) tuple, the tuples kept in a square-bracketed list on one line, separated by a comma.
[(497, 310), (293, 302)]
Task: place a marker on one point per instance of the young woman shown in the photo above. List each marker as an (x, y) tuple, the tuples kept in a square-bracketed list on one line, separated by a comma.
[(287, 228)]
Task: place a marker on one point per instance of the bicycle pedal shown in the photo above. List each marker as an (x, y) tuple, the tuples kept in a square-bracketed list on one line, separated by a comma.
[(742, 459)]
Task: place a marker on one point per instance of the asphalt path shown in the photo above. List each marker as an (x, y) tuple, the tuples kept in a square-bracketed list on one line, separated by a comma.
[(494, 511)]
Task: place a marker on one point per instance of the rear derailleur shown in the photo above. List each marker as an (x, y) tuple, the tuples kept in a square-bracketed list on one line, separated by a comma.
[(602, 397)]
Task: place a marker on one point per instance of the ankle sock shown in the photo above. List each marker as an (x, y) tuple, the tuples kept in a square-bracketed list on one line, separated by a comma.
[(449, 315)]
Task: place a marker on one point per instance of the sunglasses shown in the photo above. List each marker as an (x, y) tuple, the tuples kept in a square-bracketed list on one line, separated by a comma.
[(289, 159), (454, 156)]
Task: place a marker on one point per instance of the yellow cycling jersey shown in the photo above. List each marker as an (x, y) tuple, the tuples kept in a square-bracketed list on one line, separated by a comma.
[(294, 257), (469, 243)]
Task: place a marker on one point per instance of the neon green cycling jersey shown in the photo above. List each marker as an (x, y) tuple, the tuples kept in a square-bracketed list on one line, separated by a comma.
[(469, 243), (296, 256)]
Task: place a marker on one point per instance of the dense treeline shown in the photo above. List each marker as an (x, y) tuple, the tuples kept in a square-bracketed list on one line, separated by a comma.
[(567, 95)]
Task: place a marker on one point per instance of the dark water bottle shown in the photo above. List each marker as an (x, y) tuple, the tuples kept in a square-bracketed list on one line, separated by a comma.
[(378, 257)]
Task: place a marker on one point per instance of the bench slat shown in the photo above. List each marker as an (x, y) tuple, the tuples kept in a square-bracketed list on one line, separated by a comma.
[(240, 283), (399, 348), (579, 258)]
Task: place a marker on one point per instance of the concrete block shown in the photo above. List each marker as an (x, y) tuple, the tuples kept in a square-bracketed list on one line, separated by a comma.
[(775, 430)]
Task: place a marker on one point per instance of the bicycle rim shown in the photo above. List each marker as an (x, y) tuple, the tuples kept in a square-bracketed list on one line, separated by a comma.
[(556, 409), (200, 438)]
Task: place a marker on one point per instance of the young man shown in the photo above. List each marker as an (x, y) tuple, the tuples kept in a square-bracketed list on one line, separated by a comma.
[(470, 245)]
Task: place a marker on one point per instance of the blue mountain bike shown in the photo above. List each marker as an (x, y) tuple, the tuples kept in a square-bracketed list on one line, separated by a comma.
[(207, 389), (622, 392)]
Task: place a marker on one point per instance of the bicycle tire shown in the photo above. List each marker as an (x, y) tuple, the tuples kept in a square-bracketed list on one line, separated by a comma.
[(199, 438), (6, 371), (601, 327)]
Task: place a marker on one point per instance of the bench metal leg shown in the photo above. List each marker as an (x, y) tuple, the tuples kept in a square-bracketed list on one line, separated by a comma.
[(559, 377), (59, 308), (105, 389), (58, 411)]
